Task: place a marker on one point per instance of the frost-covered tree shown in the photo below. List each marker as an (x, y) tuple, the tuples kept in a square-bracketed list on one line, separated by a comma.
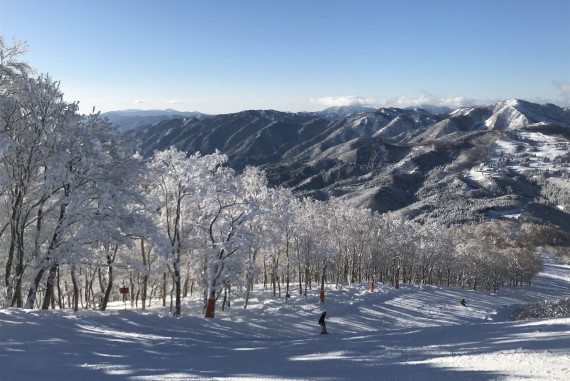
[(65, 181), (231, 205), (266, 229), (281, 225), (493, 254), (12, 68), (34, 118), (95, 203), (180, 187)]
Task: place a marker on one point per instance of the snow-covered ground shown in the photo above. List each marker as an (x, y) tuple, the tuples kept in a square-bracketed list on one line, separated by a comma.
[(414, 333), (525, 151)]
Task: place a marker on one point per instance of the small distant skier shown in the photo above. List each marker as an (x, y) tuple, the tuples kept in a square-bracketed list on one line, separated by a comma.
[(322, 323), (463, 302)]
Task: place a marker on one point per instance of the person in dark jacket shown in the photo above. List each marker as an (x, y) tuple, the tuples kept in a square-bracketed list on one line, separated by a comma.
[(322, 323), (463, 303)]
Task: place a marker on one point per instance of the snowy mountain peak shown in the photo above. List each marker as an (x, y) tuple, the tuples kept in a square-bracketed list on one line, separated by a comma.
[(507, 115), (511, 114), (513, 102)]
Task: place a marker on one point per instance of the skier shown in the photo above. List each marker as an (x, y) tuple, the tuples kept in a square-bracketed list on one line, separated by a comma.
[(463, 302), (322, 323)]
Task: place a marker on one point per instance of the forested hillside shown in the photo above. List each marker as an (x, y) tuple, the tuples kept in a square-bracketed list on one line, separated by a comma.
[(462, 166)]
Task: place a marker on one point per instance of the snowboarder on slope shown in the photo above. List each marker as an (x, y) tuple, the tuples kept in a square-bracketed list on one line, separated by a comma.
[(322, 323), (463, 302)]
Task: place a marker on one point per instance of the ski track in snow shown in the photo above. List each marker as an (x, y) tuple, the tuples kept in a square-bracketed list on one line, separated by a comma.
[(414, 333)]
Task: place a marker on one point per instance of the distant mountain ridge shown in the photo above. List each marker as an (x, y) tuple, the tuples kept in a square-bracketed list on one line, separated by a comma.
[(334, 113), (133, 118), (419, 164), (509, 114), (130, 119)]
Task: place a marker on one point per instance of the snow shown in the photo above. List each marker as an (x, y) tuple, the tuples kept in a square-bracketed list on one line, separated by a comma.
[(513, 214), (507, 115), (538, 150), (482, 175), (405, 166), (416, 332)]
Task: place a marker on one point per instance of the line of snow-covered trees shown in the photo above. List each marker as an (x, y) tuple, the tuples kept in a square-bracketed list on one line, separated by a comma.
[(81, 215)]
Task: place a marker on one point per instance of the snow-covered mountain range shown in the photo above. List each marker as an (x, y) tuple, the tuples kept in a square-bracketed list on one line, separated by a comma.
[(459, 166), (130, 119)]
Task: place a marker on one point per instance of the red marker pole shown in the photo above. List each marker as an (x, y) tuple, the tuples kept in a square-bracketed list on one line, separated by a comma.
[(124, 291)]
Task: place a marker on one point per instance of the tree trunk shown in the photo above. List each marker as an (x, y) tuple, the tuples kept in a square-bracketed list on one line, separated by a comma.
[(19, 275), (211, 307), (145, 275), (264, 274), (288, 274), (110, 260), (108, 290), (307, 280), (164, 289), (89, 288), (186, 286), (132, 292), (32, 293), (8, 301), (397, 273), (60, 296), (75, 289), (87, 293), (13, 285), (225, 298), (178, 292), (300, 281), (50, 287), (322, 296), (249, 286), (214, 275), (273, 282)]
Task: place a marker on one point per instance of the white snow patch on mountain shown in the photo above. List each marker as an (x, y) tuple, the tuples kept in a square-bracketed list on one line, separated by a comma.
[(506, 115), (405, 166), (527, 151)]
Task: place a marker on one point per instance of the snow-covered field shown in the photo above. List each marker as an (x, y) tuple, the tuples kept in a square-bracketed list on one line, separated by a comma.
[(525, 151), (414, 333)]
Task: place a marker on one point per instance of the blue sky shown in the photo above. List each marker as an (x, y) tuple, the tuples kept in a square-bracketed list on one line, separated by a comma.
[(227, 56)]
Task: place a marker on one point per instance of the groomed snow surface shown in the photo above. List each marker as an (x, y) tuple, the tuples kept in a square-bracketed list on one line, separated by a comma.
[(414, 333)]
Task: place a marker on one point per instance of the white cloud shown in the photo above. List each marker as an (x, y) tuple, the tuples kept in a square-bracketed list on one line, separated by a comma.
[(138, 101), (349, 100), (424, 99), (175, 102), (564, 88), (428, 99)]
